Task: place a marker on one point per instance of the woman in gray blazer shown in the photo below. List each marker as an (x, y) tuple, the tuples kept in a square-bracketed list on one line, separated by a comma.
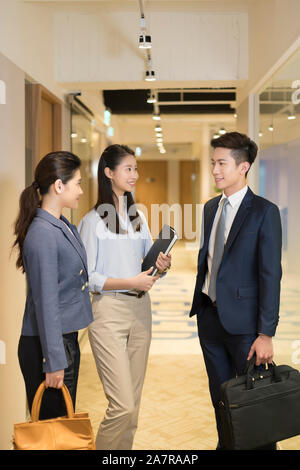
[(54, 260)]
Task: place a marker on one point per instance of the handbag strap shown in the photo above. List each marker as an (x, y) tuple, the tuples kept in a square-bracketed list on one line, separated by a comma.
[(36, 405)]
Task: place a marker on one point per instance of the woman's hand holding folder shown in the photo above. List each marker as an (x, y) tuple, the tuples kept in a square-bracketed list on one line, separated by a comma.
[(163, 262), (144, 281)]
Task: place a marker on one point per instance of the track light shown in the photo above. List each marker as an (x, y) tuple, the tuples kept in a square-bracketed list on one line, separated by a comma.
[(216, 136), (271, 128), (145, 41), (156, 117), (158, 128), (150, 76), (260, 134), (74, 135), (291, 116), (222, 131), (151, 98)]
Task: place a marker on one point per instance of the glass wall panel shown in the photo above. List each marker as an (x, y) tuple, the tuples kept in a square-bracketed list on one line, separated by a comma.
[(86, 143), (280, 182)]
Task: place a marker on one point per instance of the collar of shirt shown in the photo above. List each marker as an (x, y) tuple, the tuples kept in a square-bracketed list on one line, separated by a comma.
[(237, 197)]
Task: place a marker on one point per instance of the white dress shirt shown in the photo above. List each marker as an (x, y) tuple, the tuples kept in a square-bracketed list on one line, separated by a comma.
[(112, 255), (231, 211)]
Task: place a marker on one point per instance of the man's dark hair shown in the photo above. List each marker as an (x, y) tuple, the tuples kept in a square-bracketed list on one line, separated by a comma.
[(243, 149)]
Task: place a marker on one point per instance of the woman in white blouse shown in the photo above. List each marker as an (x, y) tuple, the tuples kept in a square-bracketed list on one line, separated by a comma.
[(117, 237)]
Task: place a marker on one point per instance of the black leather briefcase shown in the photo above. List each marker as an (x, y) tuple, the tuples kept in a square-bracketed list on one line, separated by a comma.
[(260, 407)]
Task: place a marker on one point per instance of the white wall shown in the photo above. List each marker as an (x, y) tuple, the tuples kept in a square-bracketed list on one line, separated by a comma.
[(26, 38), (12, 285), (274, 27), (97, 42), (102, 46)]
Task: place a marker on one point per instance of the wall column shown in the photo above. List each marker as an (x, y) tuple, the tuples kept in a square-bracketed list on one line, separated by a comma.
[(12, 285)]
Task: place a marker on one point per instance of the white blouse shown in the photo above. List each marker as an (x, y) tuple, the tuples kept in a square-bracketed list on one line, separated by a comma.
[(112, 255)]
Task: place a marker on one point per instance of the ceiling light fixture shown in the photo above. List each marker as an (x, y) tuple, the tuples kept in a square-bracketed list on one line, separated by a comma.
[(144, 39), (138, 151), (151, 98), (222, 131), (158, 128), (156, 117), (291, 116), (271, 128), (150, 76)]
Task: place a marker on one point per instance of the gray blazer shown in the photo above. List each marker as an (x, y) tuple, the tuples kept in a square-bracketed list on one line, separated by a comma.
[(58, 300)]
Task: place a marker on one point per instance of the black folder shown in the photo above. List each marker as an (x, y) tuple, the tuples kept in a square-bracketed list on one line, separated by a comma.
[(165, 241)]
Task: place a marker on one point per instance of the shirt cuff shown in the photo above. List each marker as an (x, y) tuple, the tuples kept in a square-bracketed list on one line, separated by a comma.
[(96, 282)]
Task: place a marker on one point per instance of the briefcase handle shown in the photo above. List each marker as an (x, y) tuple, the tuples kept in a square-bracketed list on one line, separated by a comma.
[(275, 375), (37, 401)]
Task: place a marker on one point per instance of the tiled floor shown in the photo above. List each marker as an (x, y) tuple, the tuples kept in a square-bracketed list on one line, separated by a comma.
[(175, 411)]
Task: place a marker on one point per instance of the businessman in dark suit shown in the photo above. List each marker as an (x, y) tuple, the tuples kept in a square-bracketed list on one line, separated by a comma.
[(237, 290)]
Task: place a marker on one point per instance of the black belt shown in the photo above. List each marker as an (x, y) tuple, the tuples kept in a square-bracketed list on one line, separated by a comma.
[(132, 294)]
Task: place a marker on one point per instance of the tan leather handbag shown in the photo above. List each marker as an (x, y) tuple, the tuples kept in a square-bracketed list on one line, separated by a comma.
[(71, 432)]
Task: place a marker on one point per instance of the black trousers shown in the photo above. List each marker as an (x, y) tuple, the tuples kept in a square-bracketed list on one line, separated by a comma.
[(31, 362), (225, 357)]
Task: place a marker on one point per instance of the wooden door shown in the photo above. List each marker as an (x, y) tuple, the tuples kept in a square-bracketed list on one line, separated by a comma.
[(43, 125), (46, 135), (152, 188), (189, 194)]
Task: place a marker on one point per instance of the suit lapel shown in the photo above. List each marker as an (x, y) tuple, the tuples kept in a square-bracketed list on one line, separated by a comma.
[(73, 239), (239, 219), (209, 219)]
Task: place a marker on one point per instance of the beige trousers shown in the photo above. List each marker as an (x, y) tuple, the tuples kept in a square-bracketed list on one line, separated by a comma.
[(120, 337)]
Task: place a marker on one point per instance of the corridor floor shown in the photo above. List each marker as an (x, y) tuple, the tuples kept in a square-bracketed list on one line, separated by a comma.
[(176, 412)]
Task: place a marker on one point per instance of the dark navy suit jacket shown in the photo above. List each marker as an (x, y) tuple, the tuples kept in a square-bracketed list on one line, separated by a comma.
[(58, 299), (248, 280)]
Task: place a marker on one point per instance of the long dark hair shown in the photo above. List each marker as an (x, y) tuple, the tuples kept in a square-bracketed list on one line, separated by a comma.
[(111, 158), (55, 165)]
